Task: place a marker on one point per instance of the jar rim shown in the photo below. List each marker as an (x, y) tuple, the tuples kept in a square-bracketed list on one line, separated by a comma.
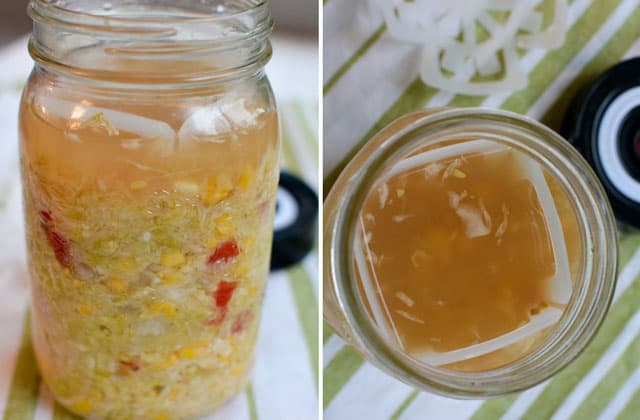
[(579, 322), (233, 40), (56, 10)]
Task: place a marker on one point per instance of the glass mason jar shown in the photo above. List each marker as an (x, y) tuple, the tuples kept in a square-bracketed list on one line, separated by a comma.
[(587, 224), (150, 163)]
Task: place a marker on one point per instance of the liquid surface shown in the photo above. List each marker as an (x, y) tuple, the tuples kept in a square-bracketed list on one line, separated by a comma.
[(149, 226), (460, 252)]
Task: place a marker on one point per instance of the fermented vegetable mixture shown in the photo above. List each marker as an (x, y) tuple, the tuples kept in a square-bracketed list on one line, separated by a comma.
[(149, 241)]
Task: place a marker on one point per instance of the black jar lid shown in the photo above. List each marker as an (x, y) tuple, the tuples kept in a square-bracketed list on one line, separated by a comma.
[(295, 223), (603, 122)]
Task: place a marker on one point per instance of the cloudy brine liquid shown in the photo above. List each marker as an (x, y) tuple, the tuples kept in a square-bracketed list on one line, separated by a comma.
[(460, 263)]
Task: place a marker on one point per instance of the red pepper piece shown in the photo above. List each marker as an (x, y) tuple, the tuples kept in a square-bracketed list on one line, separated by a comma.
[(46, 217), (60, 245), (241, 322), (224, 253), (130, 365), (222, 296), (224, 293)]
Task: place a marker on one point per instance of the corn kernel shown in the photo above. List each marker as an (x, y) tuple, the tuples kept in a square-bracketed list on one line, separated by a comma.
[(163, 308), (243, 270), (82, 406), (168, 362), (174, 393), (172, 259), (117, 285), (172, 278), (224, 225), (237, 371), (188, 353), (249, 241), (223, 358), (225, 218), (85, 310), (245, 179), (161, 417), (219, 188), (224, 230), (214, 197), (138, 185), (252, 290), (212, 242)]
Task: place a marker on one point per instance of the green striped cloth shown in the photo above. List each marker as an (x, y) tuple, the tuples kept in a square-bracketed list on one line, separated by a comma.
[(369, 80), (285, 380)]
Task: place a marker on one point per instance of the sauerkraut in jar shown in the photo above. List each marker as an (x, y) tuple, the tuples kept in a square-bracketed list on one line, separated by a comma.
[(150, 167)]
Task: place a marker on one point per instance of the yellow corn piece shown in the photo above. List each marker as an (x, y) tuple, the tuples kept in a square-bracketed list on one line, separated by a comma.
[(193, 351), (214, 197), (138, 185), (82, 406), (224, 229), (117, 285), (172, 259), (188, 353), (172, 278), (225, 218), (237, 371), (249, 241), (224, 225), (243, 269), (162, 308), (161, 417), (252, 290), (245, 179), (223, 358), (218, 189), (212, 242), (85, 310), (168, 362)]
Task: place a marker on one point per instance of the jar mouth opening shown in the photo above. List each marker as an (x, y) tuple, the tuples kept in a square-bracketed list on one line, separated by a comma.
[(214, 40), (165, 13), (595, 284), (212, 26)]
